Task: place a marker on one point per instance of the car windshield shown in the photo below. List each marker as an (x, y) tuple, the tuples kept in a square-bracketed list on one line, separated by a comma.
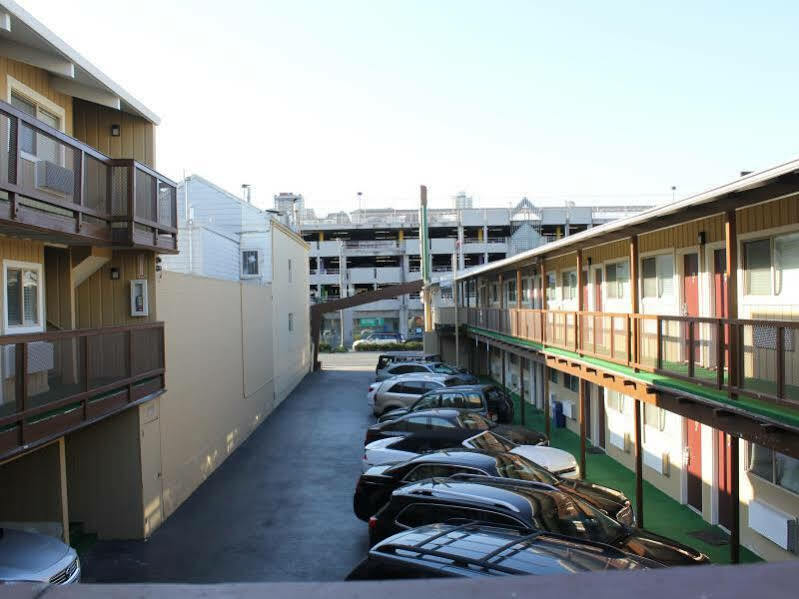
[(473, 421), (488, 441), (560, 513), (442, 368), (510, 465)]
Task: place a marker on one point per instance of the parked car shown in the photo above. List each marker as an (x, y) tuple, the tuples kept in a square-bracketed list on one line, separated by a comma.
[(530, 507), (388, 358), (394, 450), (376, 484), (476, 550), (403, 390), (487, 399), (34, 557), (382, 338), (434, 367)]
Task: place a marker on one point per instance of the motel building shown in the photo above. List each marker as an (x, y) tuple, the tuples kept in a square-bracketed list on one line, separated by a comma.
[(84, 216), (668, 340)]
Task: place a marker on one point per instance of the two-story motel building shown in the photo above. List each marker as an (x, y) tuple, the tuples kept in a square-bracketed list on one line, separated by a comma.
[(83, 217), (670, 340)]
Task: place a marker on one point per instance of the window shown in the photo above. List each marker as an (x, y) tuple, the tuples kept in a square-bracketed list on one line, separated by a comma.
[(511, 292), (775, 467), (617, 276), (420, 514), (466, 401), (658, 276), (551, 286), (654, 417), (426, 402), (23, 297), (36, 146), (553, 375), (615, 401), (494, 293), (406, 368), (571, 382), (289, 270), (249, 263), (291, 321), (430, 470), (526, 291), (759, 278), (569, 284)]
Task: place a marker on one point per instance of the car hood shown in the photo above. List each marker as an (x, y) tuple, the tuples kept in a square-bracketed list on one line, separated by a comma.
[(519, 434), (23, 555), (606, 499), (550, 458), (660, 549)]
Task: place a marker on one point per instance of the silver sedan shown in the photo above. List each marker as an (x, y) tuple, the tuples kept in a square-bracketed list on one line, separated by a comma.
[(33, 557)]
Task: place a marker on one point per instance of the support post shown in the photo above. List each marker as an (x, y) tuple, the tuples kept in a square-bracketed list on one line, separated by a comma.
[(634, 303), (735, 508), (581, 398), (639, 468), (547, 407), (504, 367), (521, 389), (544, 306), (62, 473), (578, 323), (731, 249)]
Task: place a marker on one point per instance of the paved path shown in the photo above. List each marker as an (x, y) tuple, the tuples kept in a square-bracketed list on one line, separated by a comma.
[(279, 509)]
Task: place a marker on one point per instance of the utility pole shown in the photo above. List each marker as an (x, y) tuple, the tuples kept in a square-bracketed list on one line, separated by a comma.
[(456, 296), (424, 255), (342, 293)]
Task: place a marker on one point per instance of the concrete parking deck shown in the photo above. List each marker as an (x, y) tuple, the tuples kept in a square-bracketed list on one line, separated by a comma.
[(280, 507)]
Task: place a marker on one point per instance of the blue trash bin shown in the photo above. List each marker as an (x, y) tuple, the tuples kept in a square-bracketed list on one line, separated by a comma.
[(558, 417)]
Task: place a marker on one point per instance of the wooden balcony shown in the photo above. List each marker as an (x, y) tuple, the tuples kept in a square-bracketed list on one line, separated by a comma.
[(692, 349), (56, 188), (56, 382)]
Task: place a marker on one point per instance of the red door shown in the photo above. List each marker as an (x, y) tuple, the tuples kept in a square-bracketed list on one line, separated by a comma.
[(724, 453), (598, 304), (690, 297), (694, 466), (720, 294), (585, 290)]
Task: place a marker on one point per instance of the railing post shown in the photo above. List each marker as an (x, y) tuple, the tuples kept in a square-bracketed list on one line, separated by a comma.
[(659, 350), (21, 384), (780, 345), (85, 370), (691, 334), (720, 353), (78, 170), (593, 318), (131, 200), (627, 329), (612, 339)]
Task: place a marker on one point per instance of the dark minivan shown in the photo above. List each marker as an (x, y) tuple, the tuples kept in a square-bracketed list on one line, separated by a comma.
[(487, 399)]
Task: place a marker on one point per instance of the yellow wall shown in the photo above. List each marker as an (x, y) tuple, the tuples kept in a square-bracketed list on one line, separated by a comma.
[(219, 378), (769, 215), (92, 125)]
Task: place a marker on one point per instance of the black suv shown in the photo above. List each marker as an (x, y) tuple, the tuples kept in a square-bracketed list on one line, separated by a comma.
[(528, 506), (489, 400), (473, 550), (374, 487), (449, 428)]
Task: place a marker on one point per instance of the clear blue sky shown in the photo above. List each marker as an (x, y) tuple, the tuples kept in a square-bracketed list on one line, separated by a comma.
[(590, 101)]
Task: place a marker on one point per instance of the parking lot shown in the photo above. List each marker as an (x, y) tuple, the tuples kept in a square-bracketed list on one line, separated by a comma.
[(279, 509)]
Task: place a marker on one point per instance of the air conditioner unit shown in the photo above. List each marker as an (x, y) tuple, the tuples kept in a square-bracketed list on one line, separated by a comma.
[(54, 178), (776, 525)]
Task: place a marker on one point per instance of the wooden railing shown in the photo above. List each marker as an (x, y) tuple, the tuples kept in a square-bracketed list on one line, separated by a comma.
[(55, 184), (54, 382), (694, 349)]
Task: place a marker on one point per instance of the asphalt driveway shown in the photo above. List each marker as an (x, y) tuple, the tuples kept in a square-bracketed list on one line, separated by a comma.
[(279, 509)]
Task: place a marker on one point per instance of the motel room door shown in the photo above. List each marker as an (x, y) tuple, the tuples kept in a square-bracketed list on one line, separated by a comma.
[(693, 440), (690, 299)]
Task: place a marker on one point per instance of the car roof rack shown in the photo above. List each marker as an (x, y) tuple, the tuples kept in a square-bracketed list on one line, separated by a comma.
[(507, 482), (431, 492), (457, 560)]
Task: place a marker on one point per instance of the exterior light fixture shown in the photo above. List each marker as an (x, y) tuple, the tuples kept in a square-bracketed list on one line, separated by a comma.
[(701, 238), (114, 274), (115, 130), (590, 260)]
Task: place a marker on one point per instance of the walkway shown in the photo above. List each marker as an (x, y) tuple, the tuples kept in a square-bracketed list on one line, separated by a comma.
[(279, 509)]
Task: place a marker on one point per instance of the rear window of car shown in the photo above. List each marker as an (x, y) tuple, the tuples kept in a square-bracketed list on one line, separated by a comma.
[(488, 441), (475, 422)]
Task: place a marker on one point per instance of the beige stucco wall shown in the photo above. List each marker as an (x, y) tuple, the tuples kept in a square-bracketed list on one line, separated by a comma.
[(291, 295), (219, 380)]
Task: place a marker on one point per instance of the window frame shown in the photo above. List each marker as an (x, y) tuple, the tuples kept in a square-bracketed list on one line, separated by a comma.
[(568, 276), (9, 329), (625, 285), (42, 104), (257, 253), (773, 480), (774, 277), (660, 295)]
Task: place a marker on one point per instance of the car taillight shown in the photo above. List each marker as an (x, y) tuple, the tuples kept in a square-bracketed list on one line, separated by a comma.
[(372, 522)]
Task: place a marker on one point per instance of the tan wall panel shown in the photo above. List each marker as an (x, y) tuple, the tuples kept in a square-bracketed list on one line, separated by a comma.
[(136, 138), (569, 261), (30, 488), (205, 414), (39, 81), (682, 236), (607, 252), (770, 215)]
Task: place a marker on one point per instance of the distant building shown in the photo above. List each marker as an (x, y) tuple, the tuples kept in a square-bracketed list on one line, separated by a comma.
[(369, 249), (290, 208)]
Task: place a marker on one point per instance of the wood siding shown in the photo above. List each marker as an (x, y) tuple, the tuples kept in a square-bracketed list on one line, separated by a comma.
[(566, 262), (768, 216), (59, 295), (607, 252), (92, 125), (39, 81), (683, 236), (101, 301)]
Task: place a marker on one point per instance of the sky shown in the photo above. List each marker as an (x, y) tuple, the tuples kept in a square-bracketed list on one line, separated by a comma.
[(593, 102)]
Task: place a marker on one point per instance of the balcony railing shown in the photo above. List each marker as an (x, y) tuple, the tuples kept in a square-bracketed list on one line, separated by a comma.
[(54, 382), (57, 185), (694, 349)]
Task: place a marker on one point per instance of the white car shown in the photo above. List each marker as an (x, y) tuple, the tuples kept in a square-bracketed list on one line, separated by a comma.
[(392, 450), (370, 394), (27, 556), (380, 338)]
